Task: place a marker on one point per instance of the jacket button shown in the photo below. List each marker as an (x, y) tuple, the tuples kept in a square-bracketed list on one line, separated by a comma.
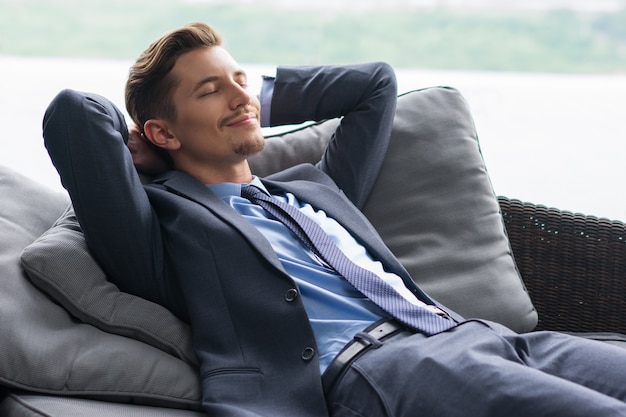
[(291, 294), (308, 354)]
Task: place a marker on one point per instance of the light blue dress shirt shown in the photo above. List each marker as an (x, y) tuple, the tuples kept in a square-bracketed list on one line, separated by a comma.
[(336, 310)]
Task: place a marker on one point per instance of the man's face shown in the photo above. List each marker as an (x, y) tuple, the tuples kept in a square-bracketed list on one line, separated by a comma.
[(217, 119)]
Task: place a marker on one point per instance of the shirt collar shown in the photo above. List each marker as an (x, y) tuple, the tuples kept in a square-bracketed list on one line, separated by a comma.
[(233, 189)]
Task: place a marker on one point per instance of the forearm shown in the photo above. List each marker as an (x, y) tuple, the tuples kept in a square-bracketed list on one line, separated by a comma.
[(364, 95), (314, 93)]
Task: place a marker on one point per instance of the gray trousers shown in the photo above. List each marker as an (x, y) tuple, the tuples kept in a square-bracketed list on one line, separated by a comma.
[(479, 369)]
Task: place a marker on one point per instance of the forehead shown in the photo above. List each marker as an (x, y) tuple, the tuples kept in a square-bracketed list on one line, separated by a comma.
[(202, 63)]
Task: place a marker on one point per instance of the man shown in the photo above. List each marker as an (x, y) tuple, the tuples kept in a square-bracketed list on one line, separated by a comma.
[(279, 330)]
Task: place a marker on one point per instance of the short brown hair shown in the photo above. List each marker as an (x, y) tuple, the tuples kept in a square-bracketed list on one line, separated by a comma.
[(149, 85)]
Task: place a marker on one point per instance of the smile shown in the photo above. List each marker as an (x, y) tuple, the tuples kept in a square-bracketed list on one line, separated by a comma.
[(245, 119)]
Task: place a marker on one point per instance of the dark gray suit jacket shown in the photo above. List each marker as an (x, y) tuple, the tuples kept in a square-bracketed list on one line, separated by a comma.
[(176, 243)]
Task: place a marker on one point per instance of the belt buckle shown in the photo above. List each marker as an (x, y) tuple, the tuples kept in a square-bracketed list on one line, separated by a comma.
[(363, 341)]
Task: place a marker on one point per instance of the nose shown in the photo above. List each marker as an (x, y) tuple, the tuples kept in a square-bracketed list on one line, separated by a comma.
[(240, 96)]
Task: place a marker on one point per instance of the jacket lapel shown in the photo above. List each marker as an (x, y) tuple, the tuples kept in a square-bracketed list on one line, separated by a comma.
[(188, 187)]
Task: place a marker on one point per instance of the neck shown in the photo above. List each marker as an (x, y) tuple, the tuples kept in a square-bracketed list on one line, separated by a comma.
[(211, 174)]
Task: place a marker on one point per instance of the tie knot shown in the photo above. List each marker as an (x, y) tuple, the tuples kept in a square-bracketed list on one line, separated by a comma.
[(251, 192)]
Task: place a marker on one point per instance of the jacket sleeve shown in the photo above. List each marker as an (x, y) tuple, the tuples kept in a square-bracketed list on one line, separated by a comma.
[(86, 135), (364, 96)]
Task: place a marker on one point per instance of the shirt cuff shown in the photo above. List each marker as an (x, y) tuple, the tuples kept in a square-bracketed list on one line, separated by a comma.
[(265, 98)]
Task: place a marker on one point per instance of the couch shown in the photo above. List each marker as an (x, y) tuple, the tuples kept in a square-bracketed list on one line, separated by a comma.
[(72, 344)]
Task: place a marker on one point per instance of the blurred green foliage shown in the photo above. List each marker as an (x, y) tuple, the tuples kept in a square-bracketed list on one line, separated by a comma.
[(550, 41)]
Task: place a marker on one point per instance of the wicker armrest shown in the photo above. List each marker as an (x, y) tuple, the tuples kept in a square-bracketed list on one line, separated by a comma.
[(573, 265)]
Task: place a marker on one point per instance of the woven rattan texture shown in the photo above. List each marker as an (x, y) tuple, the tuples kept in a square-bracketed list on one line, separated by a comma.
[(574, 266)]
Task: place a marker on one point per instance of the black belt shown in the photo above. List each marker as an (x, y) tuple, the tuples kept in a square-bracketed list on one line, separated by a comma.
[(363, 341)]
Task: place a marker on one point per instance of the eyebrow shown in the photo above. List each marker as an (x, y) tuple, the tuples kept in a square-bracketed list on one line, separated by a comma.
[(212, 78)]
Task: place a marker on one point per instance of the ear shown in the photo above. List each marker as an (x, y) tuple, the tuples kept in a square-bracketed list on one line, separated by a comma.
[(158, 132)]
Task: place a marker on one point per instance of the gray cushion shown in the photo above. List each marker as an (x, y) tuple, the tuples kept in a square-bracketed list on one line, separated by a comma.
[(60, 264), (434, 205), (22, 404), (615, 339), (45, 349)]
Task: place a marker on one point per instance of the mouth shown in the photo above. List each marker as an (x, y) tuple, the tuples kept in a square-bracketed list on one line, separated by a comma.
[(246, 118)]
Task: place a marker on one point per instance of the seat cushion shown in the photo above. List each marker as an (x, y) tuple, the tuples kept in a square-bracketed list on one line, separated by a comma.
[(24, 404), (615, 339)]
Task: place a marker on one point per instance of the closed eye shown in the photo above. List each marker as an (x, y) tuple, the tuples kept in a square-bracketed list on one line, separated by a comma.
[(242, 79)]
